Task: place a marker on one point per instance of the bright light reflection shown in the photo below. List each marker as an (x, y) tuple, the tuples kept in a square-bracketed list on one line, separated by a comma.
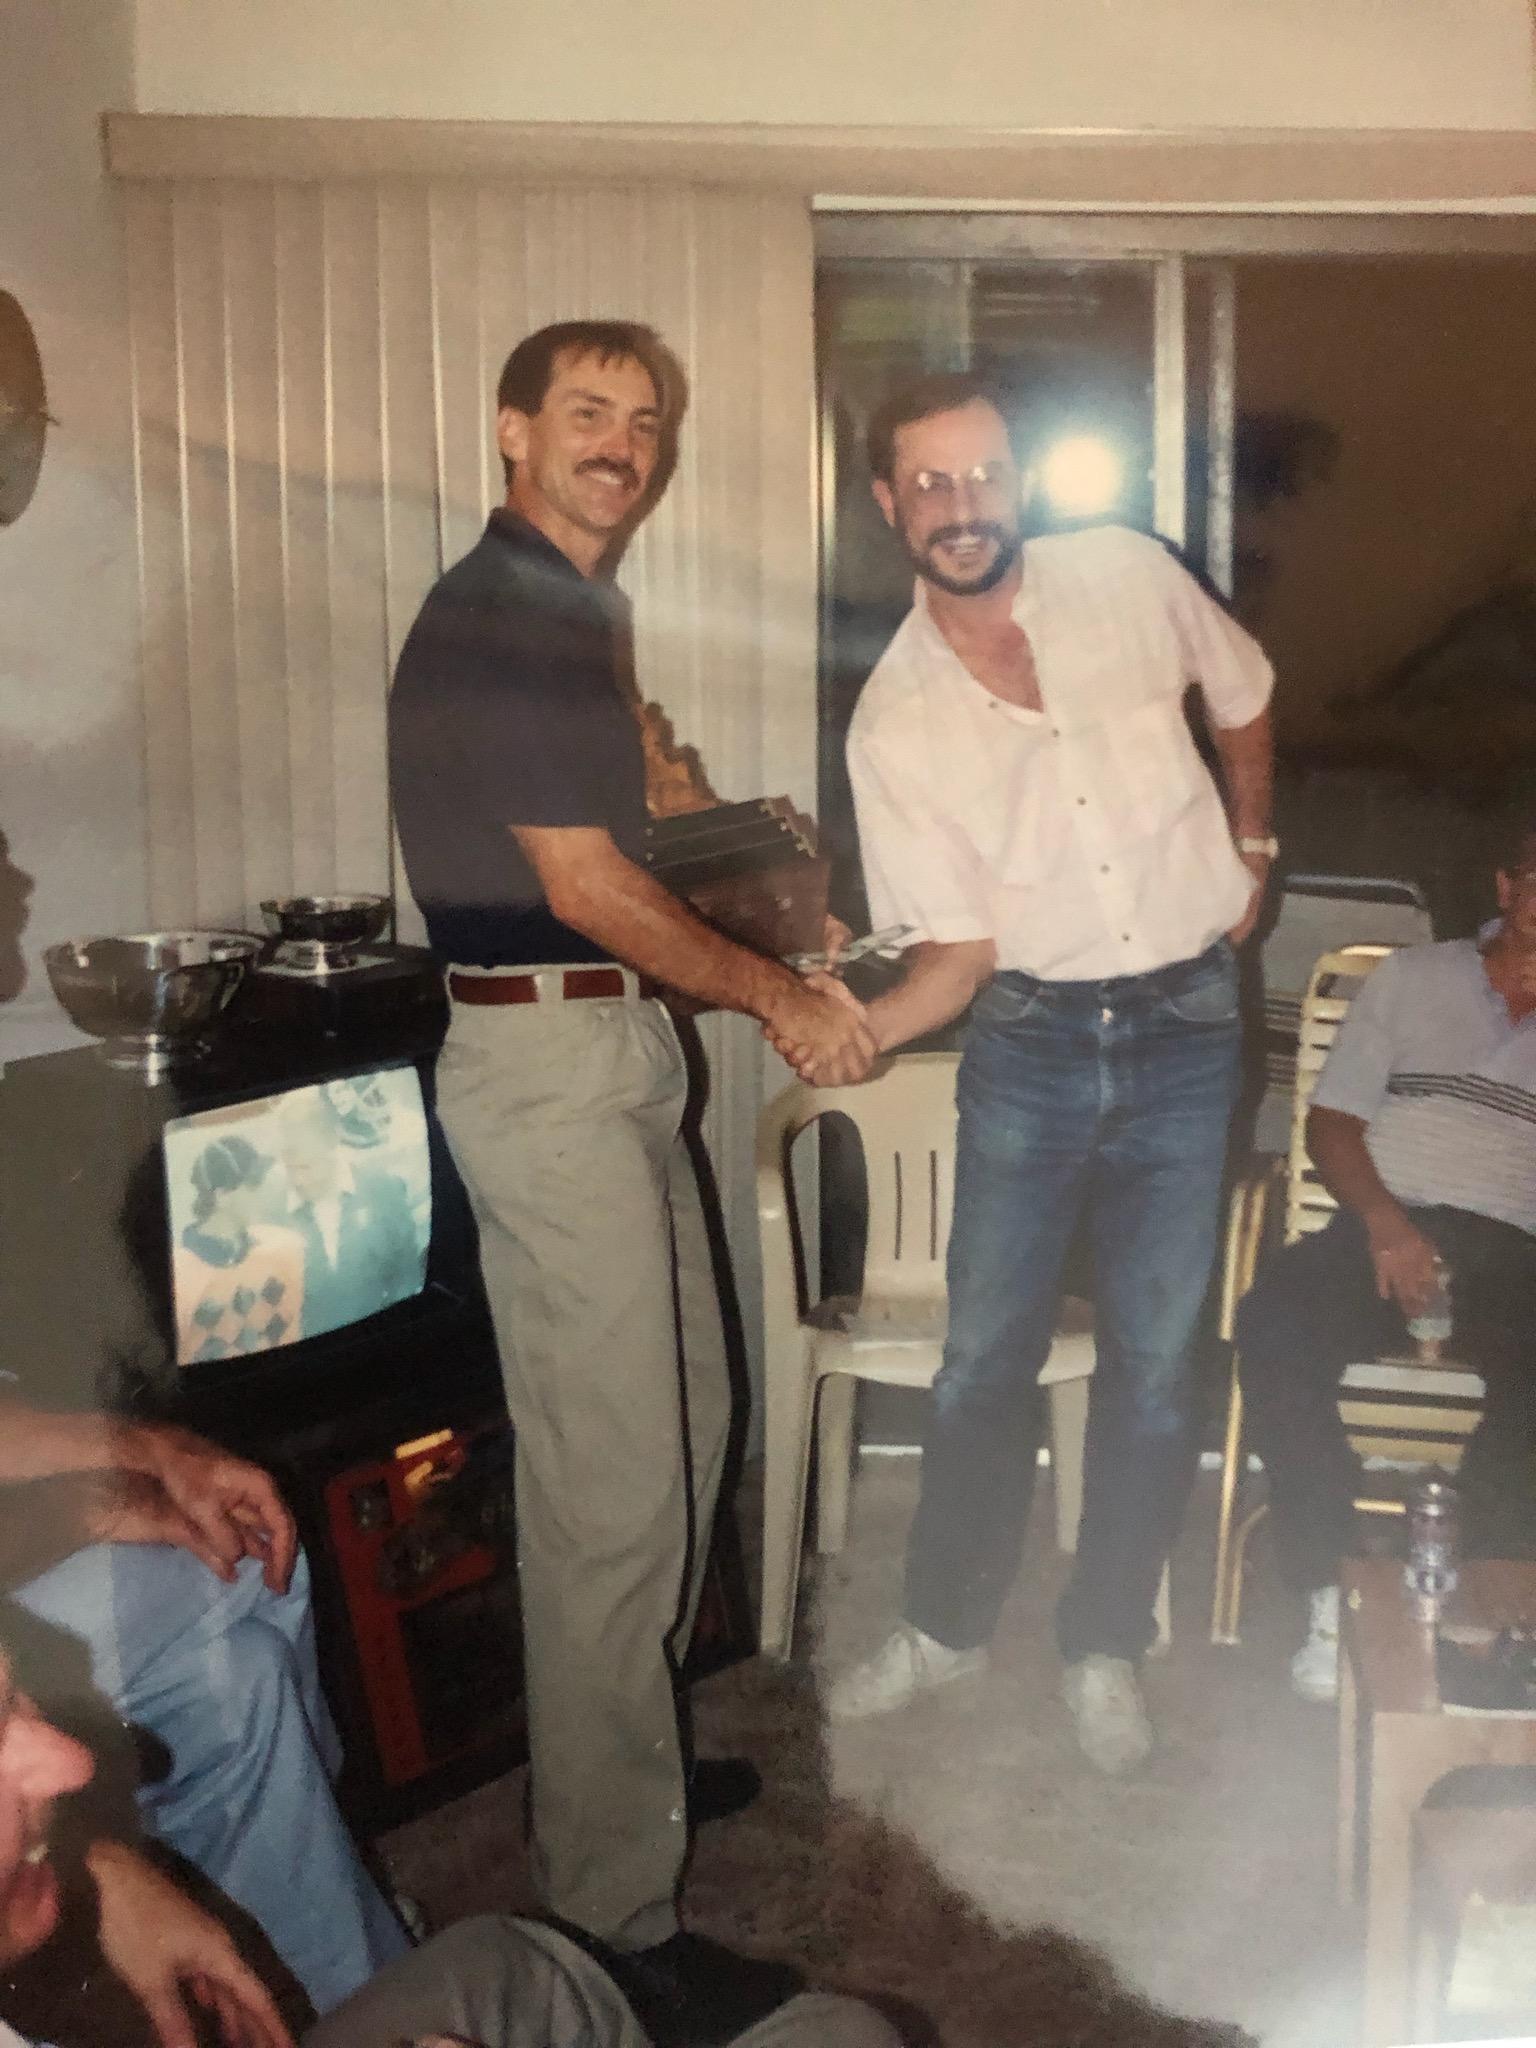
[(1082, 476)]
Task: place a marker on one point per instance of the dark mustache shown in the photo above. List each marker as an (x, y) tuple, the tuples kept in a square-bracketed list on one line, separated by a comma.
[(972, 529), (621, 472)]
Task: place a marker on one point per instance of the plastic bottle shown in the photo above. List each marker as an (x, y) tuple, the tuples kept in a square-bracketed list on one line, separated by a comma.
[(1430, 1329), (1434, 1528)]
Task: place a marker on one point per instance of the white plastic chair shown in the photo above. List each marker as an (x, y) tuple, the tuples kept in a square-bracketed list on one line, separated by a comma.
[(894, 1331)]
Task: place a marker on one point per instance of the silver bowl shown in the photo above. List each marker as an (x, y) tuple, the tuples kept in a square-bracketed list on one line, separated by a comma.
[(150, 997), (324, 932)]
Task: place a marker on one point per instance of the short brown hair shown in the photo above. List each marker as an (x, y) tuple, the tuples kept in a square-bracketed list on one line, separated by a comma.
[(944, 391), (528, 372)]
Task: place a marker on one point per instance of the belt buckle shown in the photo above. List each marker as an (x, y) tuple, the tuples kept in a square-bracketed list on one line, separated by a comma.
[(548, 984)]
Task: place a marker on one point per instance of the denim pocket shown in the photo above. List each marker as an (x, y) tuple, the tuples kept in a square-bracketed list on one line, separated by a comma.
[(1007, 1000), (1209, 994)]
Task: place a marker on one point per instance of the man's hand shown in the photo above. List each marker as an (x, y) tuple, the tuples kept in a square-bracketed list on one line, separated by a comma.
[(1404, 1260), (130, 1507), (1258, 865), (165, 1950), (234, 1506), (819, 1027), (834, 936)]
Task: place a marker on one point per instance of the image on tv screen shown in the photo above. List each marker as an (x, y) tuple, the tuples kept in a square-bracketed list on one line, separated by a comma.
[(297, 1213)]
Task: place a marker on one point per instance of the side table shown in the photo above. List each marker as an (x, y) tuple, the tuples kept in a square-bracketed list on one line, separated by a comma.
[(1396, 1742)]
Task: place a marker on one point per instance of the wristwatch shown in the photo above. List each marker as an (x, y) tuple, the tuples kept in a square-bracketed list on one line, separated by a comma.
[(1268, 847)]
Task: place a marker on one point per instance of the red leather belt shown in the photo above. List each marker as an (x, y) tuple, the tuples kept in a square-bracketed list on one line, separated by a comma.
[(574, 985)]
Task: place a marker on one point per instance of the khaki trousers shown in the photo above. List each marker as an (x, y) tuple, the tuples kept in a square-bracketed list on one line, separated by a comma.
[(563, 1118), (514, 1984)]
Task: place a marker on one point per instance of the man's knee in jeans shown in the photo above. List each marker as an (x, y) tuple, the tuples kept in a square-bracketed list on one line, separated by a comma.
[(235, 1693)]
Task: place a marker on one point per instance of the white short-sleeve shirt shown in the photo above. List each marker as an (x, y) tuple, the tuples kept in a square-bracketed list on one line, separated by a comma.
[(1086, 839)]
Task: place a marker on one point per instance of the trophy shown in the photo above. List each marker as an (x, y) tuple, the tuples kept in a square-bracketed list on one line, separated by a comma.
[(151, 997), (750, 869)]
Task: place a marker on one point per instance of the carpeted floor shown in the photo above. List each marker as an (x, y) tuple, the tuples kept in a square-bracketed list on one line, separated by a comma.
[(960, 1862)]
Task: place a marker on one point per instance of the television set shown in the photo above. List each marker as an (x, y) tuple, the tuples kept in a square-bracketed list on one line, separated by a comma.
[(269, 1239), (296, 1214), (365, 1350)]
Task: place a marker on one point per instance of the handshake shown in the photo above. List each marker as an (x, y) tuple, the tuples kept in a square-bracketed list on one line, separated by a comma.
[(818, 1024), (822, 1029)]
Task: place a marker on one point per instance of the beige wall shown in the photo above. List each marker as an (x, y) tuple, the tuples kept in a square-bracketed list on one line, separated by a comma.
[(71, 776), (1029, 63)]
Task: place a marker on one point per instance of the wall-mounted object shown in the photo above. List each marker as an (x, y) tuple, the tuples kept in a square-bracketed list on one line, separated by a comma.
[(24, 419)]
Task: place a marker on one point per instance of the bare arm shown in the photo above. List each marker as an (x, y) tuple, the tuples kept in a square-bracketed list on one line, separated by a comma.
[(232, 1506), (940, 981), (1403, 1257), (43, 1521), (592, 887), (35, 1443), (176, 1960), (1247, 757)]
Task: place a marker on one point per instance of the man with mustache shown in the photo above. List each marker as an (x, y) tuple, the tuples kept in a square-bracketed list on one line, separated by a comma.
[(1031, 803), (489, 1982), (173, 1957), (519, 786)]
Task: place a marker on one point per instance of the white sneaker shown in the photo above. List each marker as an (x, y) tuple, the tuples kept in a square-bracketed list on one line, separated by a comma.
[(907, 1663), (1113, 1731), (1315, 1666)]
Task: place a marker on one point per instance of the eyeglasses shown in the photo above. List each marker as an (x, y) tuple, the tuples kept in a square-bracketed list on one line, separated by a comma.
[(937, 486)]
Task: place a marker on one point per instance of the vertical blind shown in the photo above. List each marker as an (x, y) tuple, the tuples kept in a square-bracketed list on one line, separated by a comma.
[(313, 374)]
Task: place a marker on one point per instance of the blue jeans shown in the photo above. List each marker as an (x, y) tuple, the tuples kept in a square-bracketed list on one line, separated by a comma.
[(1107, 1100), (225, 1677)]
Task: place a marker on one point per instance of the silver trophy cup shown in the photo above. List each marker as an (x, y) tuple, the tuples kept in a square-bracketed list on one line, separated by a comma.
[(321, 934), (150, 997)]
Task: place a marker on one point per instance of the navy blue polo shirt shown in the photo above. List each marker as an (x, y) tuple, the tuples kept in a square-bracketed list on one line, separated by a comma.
[(507, 709)]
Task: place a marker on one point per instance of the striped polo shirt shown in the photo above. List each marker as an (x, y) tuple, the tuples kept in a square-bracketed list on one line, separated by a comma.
[(1429, 1059)]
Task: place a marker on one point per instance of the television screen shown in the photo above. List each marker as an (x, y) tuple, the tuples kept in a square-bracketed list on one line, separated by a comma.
[(296, 1213)]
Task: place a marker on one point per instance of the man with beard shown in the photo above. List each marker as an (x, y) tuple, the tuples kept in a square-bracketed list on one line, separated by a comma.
[(519, 785), (1031, 803)]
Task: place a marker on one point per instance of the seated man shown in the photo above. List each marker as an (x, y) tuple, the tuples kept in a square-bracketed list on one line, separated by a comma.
[(501, 1983), (1423, 1125), (176, 1565)]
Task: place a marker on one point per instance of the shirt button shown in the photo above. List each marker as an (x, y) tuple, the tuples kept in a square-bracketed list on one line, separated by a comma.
[(1105, 869), (1082, 799)]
